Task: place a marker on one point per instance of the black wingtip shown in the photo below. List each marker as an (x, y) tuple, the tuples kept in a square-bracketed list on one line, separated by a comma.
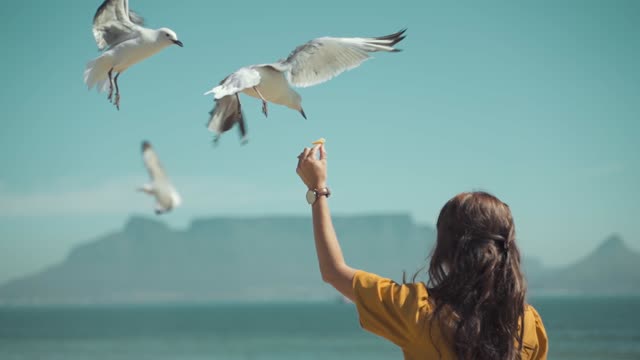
[(145, 145), (394, 39), (393, 36)]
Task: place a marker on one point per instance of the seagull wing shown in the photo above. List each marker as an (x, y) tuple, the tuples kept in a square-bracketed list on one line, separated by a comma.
[(226, 113), (151, 161), (244, 78), (114, 23), (321, 59), (136, 18)]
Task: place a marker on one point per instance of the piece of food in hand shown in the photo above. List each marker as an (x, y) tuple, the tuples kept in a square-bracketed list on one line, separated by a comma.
[(319, 141)]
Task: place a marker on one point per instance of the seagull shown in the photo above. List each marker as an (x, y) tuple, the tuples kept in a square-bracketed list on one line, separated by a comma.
[(167, 197), (312, 63), (121, 33)]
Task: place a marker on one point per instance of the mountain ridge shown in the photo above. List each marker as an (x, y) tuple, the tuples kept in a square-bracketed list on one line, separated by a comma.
[(147, 261), (612, 268), (266, 258)]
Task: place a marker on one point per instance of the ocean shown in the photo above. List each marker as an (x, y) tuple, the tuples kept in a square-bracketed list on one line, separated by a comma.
[(578, 328)]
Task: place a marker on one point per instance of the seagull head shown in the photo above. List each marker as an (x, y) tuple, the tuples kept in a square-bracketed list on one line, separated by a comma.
[(168, 37), (295, 102), (146, 145)]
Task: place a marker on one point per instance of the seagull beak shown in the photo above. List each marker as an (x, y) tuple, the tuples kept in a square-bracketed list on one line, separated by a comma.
[(303, 114), (178, 42)]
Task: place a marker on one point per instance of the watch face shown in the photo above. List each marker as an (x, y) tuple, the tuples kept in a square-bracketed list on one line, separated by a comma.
[(311, 197)]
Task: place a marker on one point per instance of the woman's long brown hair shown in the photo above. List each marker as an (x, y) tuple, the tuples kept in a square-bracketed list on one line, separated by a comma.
[(475, 279)]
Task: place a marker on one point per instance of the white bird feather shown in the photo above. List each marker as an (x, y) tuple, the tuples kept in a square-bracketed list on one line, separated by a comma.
[(312, 63), (167, 197), (125, 41)]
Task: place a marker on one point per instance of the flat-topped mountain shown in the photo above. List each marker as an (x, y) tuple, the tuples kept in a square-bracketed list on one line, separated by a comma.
[(220, 259), (272, 258)]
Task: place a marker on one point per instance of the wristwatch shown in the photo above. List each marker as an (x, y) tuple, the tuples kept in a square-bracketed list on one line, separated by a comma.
[(314, 194)]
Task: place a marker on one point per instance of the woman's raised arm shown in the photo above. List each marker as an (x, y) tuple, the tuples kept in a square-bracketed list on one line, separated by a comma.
[(333, 268)]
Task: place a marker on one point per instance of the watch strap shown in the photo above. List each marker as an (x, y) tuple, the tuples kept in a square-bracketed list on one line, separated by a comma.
[(322, 192), (314, 194)]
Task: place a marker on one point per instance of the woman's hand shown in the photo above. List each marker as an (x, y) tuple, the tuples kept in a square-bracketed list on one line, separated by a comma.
[(312, 170)]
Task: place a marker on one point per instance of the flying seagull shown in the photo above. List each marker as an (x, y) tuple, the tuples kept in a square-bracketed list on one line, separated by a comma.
[(121, 33), (312, 63), (167, 197)]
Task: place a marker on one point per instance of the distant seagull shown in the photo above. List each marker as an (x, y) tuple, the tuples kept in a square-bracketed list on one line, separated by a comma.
[(161, 188), (310, 64), (121, 32)]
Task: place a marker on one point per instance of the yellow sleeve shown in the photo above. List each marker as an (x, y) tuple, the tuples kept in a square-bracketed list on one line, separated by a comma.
[(541, 333), (388, 309)]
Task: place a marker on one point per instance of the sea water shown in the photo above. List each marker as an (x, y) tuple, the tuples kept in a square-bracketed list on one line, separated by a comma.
[(578, 328)]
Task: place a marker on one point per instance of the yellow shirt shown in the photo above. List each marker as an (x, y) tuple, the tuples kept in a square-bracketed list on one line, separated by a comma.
[(397, 313)]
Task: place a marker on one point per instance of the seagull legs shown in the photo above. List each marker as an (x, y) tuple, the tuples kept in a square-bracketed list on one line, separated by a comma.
[(241, 124), (114, 81), (117, 99), (264, 102), (110, 73)]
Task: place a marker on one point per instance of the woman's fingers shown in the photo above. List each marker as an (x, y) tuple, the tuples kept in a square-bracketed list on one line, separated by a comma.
[(310, 169), (312, 154), (299, 162), (302, 157), (323, 152)]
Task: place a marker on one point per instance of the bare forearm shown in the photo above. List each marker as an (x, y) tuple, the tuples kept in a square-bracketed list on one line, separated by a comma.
[(333, 268)]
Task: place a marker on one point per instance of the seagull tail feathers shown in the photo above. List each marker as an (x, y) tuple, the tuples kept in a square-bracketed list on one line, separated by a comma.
[(96, 73), (224, 115)]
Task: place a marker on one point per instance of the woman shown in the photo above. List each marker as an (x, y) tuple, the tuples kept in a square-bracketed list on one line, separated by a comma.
[(473, 306)]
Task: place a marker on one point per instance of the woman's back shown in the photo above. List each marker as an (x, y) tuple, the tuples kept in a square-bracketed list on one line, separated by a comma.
[(402, 313)]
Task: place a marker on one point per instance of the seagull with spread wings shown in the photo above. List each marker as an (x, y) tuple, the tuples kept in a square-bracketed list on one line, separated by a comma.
[(312, 63), (167, 197), (121, 33)]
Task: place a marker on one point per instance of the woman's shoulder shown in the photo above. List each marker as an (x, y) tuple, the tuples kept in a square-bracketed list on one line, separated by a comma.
[(535, 339), (368, 284), (531, 311), (369, 278), (388, 308), (533, 320)]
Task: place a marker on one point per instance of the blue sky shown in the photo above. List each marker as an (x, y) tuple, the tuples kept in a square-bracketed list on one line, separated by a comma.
[(538, 103)]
